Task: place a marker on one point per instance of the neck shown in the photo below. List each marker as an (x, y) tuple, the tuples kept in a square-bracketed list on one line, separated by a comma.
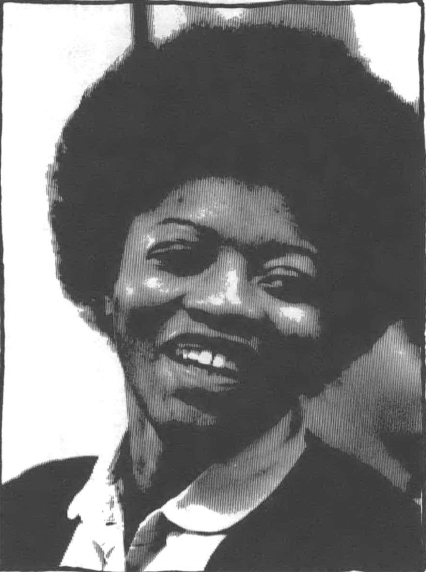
[(164, 463), (166, 460)]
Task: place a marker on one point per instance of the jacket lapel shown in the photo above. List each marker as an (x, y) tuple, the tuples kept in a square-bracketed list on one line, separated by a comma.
[(330, 513)]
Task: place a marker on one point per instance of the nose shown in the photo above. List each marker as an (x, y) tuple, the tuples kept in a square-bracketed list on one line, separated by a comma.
[(224, 288)]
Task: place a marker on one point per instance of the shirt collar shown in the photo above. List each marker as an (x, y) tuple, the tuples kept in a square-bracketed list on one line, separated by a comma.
[(218, 499)]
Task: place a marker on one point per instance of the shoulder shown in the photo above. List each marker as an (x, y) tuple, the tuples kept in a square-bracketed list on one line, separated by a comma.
[(345, 477), (331, 512), (364, 520), (35, 527)]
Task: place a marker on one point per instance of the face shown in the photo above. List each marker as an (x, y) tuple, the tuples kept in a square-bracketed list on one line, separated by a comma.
[(216, 313)]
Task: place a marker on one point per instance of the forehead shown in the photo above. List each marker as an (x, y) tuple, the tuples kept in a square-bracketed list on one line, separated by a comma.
[(236, 211)]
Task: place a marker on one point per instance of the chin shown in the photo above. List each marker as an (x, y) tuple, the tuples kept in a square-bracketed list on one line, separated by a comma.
[(178, 414)]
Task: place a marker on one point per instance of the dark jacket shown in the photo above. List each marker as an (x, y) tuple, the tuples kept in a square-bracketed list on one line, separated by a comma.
[(330, 513)]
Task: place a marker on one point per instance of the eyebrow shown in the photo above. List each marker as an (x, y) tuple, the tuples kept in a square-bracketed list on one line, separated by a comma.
[(275, 249), (269, 249), (185, 222)]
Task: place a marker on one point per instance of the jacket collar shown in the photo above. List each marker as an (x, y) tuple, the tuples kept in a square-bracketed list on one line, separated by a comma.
[(218, 499)]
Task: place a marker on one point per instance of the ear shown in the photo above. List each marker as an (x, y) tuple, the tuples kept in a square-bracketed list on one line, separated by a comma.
[(108, 305), (107, 317), (99, 315)]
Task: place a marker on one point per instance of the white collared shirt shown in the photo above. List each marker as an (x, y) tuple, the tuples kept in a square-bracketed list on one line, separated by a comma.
[(194, 523)]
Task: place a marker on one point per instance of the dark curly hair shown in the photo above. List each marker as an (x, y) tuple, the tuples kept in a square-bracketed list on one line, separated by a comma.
[(287, 108)]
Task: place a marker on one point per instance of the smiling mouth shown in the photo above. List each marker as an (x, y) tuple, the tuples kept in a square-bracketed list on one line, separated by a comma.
[(214, 355)]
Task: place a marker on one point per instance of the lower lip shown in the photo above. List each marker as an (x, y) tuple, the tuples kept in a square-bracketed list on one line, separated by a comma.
[(193, 376)]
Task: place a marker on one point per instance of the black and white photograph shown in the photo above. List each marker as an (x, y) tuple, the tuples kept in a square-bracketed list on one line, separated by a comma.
[(213, 245)]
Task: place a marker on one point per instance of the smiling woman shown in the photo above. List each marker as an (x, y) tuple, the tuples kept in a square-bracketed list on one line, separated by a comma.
[(240, 242)]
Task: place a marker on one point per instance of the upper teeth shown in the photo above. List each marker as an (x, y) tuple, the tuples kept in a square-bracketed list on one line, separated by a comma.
[(205, 357), (219, 361)]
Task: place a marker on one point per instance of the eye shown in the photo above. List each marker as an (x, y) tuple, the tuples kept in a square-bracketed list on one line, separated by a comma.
[(288, 285), (180, 257)]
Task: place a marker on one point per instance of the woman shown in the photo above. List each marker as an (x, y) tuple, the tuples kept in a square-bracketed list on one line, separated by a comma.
[(238, 212)]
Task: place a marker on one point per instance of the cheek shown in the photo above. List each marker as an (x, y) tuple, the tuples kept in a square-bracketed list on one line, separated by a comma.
[(147, 289), (301, 320), (143, 295)]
